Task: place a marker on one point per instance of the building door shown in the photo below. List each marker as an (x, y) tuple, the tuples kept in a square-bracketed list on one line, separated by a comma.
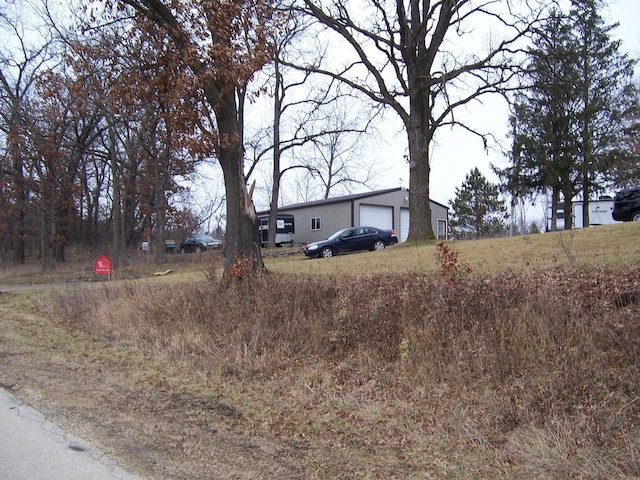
[(378, 216), (404, 224), (441, 234)]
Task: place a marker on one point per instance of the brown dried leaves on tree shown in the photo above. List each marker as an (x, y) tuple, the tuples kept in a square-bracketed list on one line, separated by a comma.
[(218, 46)]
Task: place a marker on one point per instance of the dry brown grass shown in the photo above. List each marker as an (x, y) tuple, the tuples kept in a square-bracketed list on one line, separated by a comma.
[(507, 358), (597, 246)]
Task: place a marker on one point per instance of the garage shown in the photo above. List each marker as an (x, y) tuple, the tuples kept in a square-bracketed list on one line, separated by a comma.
[(388, 209), (378, 216)]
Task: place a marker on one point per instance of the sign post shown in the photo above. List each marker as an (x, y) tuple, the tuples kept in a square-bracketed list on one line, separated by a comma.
[(103, 266)]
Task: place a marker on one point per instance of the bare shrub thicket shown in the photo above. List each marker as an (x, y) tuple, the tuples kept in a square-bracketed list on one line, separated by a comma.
[(451, 268), (541, 348)]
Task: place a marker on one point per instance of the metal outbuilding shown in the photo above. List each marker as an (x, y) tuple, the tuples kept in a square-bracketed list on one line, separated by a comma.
[(387, 208)]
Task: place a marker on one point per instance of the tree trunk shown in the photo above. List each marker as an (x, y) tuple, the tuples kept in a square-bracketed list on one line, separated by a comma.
[(241, 236), (586, 162), (19, 237), (21, 195), (275, 188), (242, 242), (554, 208), (116, 220), (273, 212), (161, 167), (44, 265), (46, 232), (586, 221), (20, 215), (419, 137), (566, 206), (59, 240), (116, 207)]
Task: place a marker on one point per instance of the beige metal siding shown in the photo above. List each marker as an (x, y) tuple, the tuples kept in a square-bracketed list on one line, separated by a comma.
[(333, 217)]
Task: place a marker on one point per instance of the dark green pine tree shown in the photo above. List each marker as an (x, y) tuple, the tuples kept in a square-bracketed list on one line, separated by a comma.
[(477, 210), (570, 120), (607, 99), (544, 144)]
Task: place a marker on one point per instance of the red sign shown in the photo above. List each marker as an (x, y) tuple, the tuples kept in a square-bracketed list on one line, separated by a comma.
[(103, 266)]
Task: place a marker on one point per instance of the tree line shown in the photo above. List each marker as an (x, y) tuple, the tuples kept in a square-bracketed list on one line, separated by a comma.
[(107, 113)]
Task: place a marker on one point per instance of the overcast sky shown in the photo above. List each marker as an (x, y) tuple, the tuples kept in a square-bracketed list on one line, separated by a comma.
[(457, 152)]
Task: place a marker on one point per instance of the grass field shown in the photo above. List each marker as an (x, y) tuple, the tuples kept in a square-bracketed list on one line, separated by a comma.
[(607, 245), (501, 358), (598, 246)]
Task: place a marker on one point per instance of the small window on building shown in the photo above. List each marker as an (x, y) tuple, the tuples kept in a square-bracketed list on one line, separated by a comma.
[(316, 223)]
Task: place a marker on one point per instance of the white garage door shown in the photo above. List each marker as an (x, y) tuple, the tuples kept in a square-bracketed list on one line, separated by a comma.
[(376, 216), (404, 224)]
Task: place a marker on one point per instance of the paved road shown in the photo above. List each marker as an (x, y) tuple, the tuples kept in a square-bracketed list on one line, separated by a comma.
[(31, 448)]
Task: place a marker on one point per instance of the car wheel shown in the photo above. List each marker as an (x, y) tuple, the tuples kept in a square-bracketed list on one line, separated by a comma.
[(378, 245), (183, 251), (326, 252), (636, 217), (198, 249)]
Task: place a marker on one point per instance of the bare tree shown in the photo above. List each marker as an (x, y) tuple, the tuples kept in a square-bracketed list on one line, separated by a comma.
[(406, 56), (24, 58), (281, 88), (304, 118), (336, 159)]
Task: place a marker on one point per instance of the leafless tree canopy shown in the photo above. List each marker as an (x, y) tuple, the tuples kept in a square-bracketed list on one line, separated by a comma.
[(414, 58)]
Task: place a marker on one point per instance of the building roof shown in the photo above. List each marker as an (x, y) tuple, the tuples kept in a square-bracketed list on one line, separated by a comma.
[(345, 198)]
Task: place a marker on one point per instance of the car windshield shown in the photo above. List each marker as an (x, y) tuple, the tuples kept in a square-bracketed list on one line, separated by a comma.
[(205, 238), (338, 233)]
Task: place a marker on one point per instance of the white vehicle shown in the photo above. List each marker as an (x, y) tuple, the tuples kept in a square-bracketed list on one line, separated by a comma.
[(285, 229)]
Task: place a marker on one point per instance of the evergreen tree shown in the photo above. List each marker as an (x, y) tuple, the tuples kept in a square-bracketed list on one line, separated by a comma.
[(543, 142), (477, 210), (569, 123), (626, 171), (606, 98)]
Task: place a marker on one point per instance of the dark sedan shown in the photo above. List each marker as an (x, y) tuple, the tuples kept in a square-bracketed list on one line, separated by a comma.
[(351, 240), (199, 243)]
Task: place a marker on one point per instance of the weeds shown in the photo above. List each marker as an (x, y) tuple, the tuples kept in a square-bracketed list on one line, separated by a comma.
[(451, 268), (519, 354), (567, 246), (425, 371)]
